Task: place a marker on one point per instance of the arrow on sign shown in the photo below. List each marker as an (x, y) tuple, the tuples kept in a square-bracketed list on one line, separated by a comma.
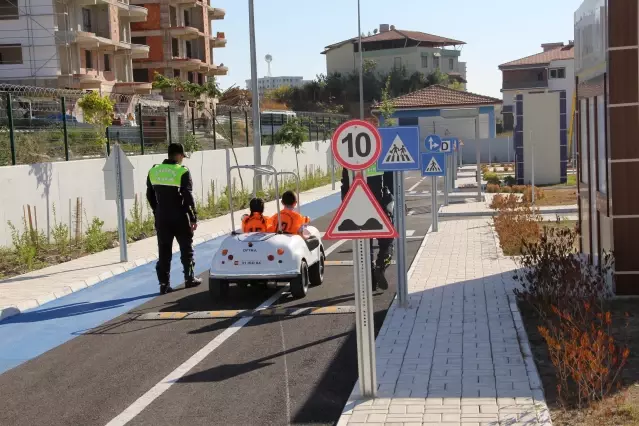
[(433, 145)]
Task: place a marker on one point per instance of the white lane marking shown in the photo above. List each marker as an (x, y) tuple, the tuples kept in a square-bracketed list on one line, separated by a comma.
[(145, 400), (416, 185), (288, 393), (411, 212), (410, 232), (334, 247)]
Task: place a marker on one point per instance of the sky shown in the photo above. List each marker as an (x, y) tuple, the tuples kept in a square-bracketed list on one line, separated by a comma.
[(294, 32)]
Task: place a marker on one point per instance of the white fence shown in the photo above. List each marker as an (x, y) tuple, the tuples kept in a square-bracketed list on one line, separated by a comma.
[(57, 186), (496, 150)]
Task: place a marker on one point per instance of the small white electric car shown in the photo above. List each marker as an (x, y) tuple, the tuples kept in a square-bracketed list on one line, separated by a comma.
[(259, 258)]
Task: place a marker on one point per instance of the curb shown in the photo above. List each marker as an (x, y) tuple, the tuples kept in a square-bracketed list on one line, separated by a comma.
[(18, 308)]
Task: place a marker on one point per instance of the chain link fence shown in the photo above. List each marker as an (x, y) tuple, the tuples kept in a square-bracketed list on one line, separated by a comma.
[(40, 125)]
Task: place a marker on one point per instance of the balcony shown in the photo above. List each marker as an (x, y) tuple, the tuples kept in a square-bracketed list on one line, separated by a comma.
[(216, 13), (138, 51), (134, 13), (85, 39), (132, 88), (218, 40), (185, 64), (218, 70), (526, 84), (90, 80), (186, 33)]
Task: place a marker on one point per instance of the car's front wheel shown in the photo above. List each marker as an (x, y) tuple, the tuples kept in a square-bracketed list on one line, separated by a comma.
[(316, 272), (218, 289), (299, 285)]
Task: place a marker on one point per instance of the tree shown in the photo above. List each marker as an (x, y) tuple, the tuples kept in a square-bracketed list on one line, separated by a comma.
[(97, 110), (292, 134), (456, 85), (386, 107), (211, 89)]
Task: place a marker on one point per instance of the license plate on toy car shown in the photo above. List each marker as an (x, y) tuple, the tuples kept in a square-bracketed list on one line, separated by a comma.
[(251, 262)]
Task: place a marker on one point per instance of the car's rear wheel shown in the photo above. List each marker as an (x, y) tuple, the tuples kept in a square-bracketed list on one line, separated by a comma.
[(218, 289), (316, 272), (299, 285)]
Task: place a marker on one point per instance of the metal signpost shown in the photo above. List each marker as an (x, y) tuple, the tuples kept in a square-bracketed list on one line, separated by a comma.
[(446, 146), (400, 152), (356, 145), (257, 127), (433, 164), (118, 186)]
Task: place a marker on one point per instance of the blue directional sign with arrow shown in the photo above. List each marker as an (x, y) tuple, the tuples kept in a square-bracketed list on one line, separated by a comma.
[(433, 164), (400, 149), (432, 143)]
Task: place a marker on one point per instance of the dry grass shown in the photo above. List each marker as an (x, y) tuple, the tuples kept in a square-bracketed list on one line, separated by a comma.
[(557, 197), (622, 409)]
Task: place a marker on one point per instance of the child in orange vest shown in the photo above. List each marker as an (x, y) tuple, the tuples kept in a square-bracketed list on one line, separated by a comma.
[(256, 222), (291, 220)]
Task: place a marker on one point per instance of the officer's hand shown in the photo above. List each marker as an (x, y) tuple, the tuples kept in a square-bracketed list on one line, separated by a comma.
[(193, 226)]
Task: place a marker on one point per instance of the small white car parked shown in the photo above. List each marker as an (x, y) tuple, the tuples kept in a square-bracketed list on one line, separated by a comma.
[(258, 258)]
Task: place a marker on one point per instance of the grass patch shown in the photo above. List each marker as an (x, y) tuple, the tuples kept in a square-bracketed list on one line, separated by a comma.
[(557, 197)]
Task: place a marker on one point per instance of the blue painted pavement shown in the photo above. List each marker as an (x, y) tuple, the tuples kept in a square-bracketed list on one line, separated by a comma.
[(36, 331)]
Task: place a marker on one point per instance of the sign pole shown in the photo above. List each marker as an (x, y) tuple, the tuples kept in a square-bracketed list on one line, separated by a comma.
[(332, 171), (478, 155), (446, 182), (400, 224), (433, 183), (124, 255)]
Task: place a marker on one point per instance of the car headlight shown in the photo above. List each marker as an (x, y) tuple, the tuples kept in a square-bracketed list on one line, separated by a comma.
[(304, 231)]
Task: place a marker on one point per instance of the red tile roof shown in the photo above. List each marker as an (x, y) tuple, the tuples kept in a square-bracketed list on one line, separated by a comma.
[(400, 35), (557, 54), (440, 96)]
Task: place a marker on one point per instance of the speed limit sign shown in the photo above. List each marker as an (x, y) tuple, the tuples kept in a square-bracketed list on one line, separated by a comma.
[(356, 145)]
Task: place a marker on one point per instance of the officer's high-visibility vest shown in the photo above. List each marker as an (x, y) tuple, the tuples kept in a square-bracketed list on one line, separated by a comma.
[(167, 174)]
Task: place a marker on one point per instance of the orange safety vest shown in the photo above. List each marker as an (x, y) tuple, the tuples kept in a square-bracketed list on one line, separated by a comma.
[(292, 221), (256, 222)]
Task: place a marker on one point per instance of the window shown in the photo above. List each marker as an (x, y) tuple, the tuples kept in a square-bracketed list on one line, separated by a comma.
[(436, 62), (540, 76), (451, 63), (176, 73), (107, 63), (8, 9), (172, 16), (141, 75), (138, 40), (583, 144), (190, 77), (424, 61), (187, 19), (86, 20), (10, 54), (601, 145), (200, 79), (398, 63), (175, 48), (88, 59), (558, 73), (189, 49)]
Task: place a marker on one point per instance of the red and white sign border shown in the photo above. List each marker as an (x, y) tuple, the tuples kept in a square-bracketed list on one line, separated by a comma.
[(377, 146)]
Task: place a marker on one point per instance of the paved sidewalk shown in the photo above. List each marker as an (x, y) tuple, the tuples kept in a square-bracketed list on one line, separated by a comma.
[(39, 287), (459, 355)]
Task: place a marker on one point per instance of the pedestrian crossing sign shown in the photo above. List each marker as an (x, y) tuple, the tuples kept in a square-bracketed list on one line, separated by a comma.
[(433, 164), (400, 149)]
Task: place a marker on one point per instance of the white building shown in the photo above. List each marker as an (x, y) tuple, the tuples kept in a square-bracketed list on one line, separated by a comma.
[(391, 48), (80, 44), (551, 70), (265, 84)]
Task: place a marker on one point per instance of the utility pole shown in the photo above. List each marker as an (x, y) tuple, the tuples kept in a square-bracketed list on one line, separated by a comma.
[(257, 127)]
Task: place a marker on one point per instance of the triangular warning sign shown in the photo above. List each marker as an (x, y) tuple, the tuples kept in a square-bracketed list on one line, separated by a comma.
[(398, 154), (433, 166), (360, 216)]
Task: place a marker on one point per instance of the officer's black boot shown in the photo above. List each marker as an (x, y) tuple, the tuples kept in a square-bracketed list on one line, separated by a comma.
[(165, 288), (190, 282)]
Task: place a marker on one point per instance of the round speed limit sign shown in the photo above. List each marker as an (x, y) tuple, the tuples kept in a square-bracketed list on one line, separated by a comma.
[(356, 144)]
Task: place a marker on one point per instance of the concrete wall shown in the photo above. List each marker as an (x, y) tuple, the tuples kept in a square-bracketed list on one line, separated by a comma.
[(463, 128), (56, 184), (498, 150), (541, 128), (341, 59)]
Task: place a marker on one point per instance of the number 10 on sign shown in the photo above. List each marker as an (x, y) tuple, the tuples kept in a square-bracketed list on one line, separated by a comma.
[(356, 145)]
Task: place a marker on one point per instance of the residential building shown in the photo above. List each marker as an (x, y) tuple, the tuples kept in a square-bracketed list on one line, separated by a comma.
[(265, 84), (391, 48), (181, 40), (607, 80), (550, 70), (424, 107), (80, 44)]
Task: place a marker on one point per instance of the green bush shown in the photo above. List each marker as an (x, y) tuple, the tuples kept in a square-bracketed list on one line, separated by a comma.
[(139, 227), (95, 239), (191, 143), (510, 180), (492, 178)]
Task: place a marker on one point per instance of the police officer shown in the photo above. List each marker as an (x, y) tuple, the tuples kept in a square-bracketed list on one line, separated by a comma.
[(169, 192), (381, 186)]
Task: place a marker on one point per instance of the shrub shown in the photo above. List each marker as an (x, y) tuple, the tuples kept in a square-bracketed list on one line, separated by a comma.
[(484, 168), (516, 223), (492, 178), (507, 169), (528, 191), (518, 189), (491, 188), (95, 239), (191, 143), (510, 180), (587, 360), (139, 227), (552, 274)]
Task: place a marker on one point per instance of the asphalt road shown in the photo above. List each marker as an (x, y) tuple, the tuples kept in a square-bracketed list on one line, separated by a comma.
[(272, 371)]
